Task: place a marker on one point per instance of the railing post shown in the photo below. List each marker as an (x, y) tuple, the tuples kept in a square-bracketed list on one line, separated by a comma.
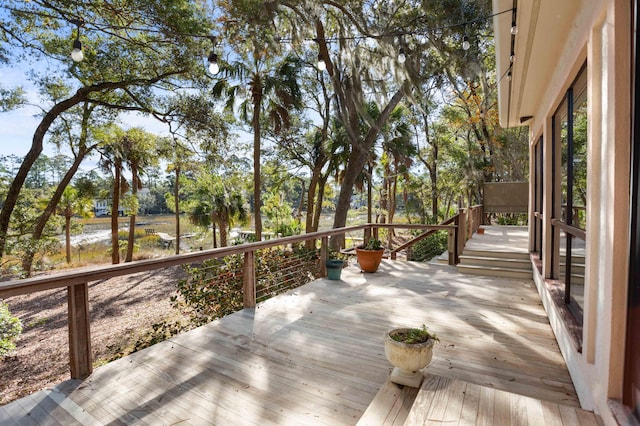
[(80, 356), (451, 243), (375, 233), (323, 256), (249, 280), (462, 233)]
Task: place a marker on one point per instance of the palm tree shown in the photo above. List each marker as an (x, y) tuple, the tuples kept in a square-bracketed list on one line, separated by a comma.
[(397, 158), (228, 208), (215, 205), (112, 160), (274, 90), (72, 203), (139, 155)]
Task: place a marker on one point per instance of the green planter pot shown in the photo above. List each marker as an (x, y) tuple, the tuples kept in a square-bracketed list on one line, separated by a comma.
[(334, 268)]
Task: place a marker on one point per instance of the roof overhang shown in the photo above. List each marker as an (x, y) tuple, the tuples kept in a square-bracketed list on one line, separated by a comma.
[(544, 27)]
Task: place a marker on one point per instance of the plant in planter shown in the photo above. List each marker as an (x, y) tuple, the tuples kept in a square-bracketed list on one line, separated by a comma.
[(370, 255), (334, 268), (409, 350)]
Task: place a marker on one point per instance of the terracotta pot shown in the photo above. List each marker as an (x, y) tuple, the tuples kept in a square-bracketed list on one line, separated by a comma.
[(369, 260), (407, 358), (480, 231)]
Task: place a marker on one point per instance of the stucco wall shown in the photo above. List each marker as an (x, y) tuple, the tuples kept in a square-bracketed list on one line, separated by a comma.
[(601, 36)]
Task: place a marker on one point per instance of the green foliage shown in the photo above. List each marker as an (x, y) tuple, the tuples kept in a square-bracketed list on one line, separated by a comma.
[(10, 329), (11, 98), (414, 335), (372, 244), (511, 219), (213, 289), (431, 246), (280, 215)]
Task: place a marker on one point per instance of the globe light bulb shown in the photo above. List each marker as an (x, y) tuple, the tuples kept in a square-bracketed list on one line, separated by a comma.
[(214, 68), (76, 54), (322, 65), (465, 43), (402, 58), (514, 28)]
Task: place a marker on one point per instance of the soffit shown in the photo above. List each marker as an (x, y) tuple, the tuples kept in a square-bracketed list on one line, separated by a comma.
[(544, 26)]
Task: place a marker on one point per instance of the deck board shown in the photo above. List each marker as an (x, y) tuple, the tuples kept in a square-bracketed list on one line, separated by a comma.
[(484, 406), (315, 356)]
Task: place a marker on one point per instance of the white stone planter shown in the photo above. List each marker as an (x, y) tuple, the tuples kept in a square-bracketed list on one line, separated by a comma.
[(408, 359)]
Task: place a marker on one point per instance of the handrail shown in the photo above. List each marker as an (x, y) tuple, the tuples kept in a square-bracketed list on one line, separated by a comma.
[(77, 281), (576, 232), (79, 276), (422, 236)]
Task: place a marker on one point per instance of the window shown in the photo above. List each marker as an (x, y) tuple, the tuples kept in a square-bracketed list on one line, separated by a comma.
[(538, 197), (569, 176)]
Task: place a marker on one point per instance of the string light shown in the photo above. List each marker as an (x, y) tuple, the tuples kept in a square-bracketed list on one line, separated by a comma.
[(465, 43), (402, 57), (322, 65), (76, 54), (214, 68)]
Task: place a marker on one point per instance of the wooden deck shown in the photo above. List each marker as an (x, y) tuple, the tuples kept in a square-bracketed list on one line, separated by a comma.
[(444, 401), (316, 356)]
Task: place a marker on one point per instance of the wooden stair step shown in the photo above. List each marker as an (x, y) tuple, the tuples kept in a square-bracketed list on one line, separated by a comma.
[(496, 262), (444, 401), (494, 271), (499, 254), (390, 406)]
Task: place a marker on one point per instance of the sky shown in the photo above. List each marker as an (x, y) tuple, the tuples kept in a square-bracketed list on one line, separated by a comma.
[(18, 126)]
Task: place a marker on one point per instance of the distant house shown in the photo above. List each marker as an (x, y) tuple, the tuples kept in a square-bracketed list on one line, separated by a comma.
[(103, 208)]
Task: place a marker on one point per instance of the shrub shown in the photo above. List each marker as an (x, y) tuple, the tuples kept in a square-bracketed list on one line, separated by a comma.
[(429, 247), (213, 288), (10, 329)]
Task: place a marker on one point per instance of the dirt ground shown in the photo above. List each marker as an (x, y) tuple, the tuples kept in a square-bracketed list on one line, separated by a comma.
[(123, 309)]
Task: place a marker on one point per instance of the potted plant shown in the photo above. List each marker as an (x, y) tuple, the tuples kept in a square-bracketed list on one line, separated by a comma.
[(334, 268), (409, 350), (369, 255)]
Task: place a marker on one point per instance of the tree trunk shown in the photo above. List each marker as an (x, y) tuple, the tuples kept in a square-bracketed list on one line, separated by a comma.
[(67, 236), (215, 238), (311, 198), (357, 161), (176, 196), (38, 228), (393, 192), (257, 183), (301, 202), (132, 218), (224, 225), (319, 200), (115, 246)]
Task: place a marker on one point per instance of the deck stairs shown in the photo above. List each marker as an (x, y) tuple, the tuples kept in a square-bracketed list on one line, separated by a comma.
[(496, 263), (441, 401)]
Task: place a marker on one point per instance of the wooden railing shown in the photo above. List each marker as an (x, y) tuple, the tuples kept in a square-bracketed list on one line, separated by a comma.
[(77, 282), (475, 218)]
